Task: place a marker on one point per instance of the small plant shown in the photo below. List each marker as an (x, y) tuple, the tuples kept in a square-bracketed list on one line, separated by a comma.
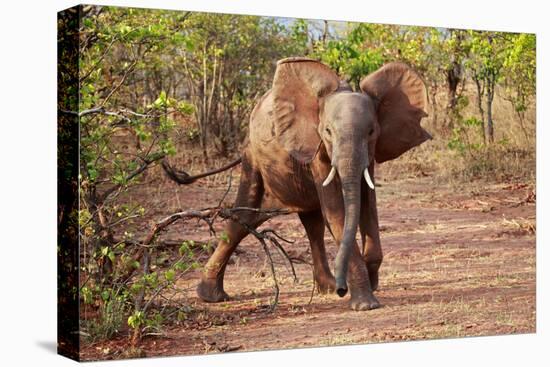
[(147, 288), (192, 134), (461, 140), (111, 311)]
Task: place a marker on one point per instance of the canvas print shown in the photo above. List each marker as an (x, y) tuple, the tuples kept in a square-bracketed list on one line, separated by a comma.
[(235, 183)]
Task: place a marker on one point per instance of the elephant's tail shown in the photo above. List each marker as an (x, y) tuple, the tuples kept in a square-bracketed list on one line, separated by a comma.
[(183, 178)]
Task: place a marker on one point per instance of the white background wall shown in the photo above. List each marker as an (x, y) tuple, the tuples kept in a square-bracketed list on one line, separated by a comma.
[(28, 182)]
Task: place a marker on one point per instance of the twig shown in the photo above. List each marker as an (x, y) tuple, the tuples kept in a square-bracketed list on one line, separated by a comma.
[(228, 188), (226, 191), (122, 220), (103, 111), (136, 336), (205, 215), (312, 291), (273, 274), (122, 80), (99, 60), (285, 254), (146, 163), (261, 237)]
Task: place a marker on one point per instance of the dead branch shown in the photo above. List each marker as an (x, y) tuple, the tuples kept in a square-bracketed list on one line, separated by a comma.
[(121, 115), (273, 274), (102, 110), (229, 182), (207, 216), (278, 245), (183, 178), (271, 236)]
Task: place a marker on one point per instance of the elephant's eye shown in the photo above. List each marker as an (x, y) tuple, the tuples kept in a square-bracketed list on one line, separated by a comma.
[(371, 131), (327, 130)]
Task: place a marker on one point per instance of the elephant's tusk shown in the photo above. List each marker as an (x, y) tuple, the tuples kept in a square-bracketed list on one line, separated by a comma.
[(329, 177), (367, 178)]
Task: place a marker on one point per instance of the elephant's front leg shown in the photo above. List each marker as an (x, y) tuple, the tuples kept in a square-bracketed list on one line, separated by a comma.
[(370, 232), (314, 224)]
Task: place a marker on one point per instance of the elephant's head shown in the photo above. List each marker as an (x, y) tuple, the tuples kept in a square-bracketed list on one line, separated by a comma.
[(312, 108)]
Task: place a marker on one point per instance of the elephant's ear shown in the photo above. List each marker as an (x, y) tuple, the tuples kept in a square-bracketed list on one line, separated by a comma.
[(401, 97), (298, 86)]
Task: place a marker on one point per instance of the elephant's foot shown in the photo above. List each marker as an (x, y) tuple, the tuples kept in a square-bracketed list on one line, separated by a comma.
[(364, 302), (211, 290), (325, 283)]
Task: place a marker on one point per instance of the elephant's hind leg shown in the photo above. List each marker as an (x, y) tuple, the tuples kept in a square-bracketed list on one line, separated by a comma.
[(210, 288), (314, 224)]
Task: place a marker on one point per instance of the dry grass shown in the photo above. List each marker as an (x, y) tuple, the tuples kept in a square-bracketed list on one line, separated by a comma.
[(510, 158)]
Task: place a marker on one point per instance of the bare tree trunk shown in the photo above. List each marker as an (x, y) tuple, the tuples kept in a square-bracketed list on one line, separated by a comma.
[(433, 103), (203, 146), (480, 90), (453, 79), (490, 128), (490, 95), (521, 118), (325, 32), (519, 103)]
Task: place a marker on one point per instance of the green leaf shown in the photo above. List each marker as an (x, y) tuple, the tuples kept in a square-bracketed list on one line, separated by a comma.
[(161, 101), (185, 108), (105, 295), (184, 248), (92, 174), (136, 320), (111, 256), (224, 236), (87, 295), (170, 275)]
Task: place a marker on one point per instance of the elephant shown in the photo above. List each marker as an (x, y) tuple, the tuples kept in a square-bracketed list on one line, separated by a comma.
[(311, 148)]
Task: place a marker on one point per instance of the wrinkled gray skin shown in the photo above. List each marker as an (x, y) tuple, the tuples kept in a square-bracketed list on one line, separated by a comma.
[(307, 124)]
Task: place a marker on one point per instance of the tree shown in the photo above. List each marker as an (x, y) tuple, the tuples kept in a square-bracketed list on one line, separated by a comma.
[(227, 67), (351, 57), (520, 76), (142, 75), (455, 52), (485, 63), (126, 119)]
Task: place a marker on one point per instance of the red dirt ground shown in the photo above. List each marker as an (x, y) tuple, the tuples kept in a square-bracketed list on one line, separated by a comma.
[(459, 261)]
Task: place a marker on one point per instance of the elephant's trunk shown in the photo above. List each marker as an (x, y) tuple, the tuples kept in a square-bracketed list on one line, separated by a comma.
[(351, 171), (351, 190)]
